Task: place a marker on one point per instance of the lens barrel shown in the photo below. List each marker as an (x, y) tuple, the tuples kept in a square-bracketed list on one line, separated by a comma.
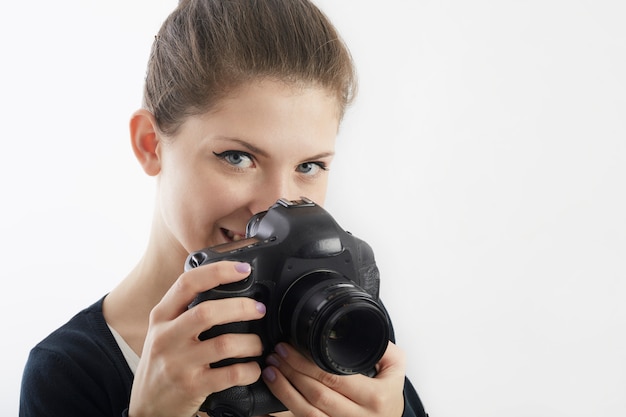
[(335, 323)]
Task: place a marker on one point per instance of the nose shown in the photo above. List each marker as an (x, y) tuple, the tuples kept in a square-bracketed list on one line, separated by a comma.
[(270, 189)]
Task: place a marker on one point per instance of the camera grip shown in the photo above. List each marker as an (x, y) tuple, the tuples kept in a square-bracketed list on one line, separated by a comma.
[(246, 401)]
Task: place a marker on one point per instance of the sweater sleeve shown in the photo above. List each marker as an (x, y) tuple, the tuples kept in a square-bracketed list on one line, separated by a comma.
[(76, 371), (413, 406), (53, 385)]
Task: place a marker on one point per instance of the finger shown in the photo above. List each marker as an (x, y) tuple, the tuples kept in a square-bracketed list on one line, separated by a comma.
[(361, 389), (186, 328), (295, 366), (345, 395), (319, 390), (191, 283), (219, 379), (211, 313), (226, 346), (392, 364), (283, 389)]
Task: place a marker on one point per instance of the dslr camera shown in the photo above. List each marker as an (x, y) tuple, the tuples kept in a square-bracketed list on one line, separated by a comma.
[(320, 285)]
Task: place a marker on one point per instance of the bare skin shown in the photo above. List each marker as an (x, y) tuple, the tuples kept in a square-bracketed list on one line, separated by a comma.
[(267, 140)]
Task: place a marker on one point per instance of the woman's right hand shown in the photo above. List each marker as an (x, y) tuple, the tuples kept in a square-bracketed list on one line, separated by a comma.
[(174, 376)]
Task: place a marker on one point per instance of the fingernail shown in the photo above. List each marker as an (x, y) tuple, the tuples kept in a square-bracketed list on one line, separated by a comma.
[(269, 374), (272, 360), (242, 267), (260, 307), (281, 350)]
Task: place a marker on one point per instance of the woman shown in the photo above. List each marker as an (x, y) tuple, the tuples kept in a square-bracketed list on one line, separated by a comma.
[(242, 104)]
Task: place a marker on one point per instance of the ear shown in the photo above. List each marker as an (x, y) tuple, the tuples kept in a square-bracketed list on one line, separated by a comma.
[(144, 138)]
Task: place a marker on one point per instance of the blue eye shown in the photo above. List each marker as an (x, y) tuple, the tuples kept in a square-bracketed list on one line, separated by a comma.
[(237, 159), (311, 168)]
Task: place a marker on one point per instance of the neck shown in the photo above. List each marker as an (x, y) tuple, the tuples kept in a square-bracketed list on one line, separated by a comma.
[(127, 307)]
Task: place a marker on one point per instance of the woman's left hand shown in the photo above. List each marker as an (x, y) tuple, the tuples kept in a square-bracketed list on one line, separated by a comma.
[(306, 390)]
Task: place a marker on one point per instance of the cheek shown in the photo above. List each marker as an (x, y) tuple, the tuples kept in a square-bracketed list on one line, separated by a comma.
[(317, 192), (174, 212), (183, 204)]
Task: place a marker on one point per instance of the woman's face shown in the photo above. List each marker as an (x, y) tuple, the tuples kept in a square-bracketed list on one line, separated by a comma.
[(266, 141)]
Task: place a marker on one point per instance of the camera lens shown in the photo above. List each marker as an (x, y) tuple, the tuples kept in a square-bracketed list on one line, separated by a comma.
[(335, 323), (354, 338)]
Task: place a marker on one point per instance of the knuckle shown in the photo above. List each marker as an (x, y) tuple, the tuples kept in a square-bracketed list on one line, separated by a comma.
[(158, 340), (330, 380), (380, 399), (203, 313), (155, 314), (322, 398), (158, 313), (223, 345), (241, 374), (240, 308), (242, 304), (222, 272), (234, 374), (184, 284)]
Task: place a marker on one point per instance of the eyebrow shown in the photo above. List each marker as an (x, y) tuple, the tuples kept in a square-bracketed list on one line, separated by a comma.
[(245, 144), (261, 152)]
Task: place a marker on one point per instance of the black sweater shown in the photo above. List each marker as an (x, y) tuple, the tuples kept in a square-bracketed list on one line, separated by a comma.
[(79, 370)]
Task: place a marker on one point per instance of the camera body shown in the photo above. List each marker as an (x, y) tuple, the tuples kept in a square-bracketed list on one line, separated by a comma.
[(320, 285)]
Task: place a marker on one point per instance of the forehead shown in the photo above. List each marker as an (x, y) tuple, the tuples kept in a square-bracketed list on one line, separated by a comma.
[(271, 114), (266, 92)]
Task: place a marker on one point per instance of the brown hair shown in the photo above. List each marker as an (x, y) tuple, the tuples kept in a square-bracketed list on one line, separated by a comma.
[(205, 48)]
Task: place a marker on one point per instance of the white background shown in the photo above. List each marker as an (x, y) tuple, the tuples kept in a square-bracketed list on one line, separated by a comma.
[(484, 161)]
